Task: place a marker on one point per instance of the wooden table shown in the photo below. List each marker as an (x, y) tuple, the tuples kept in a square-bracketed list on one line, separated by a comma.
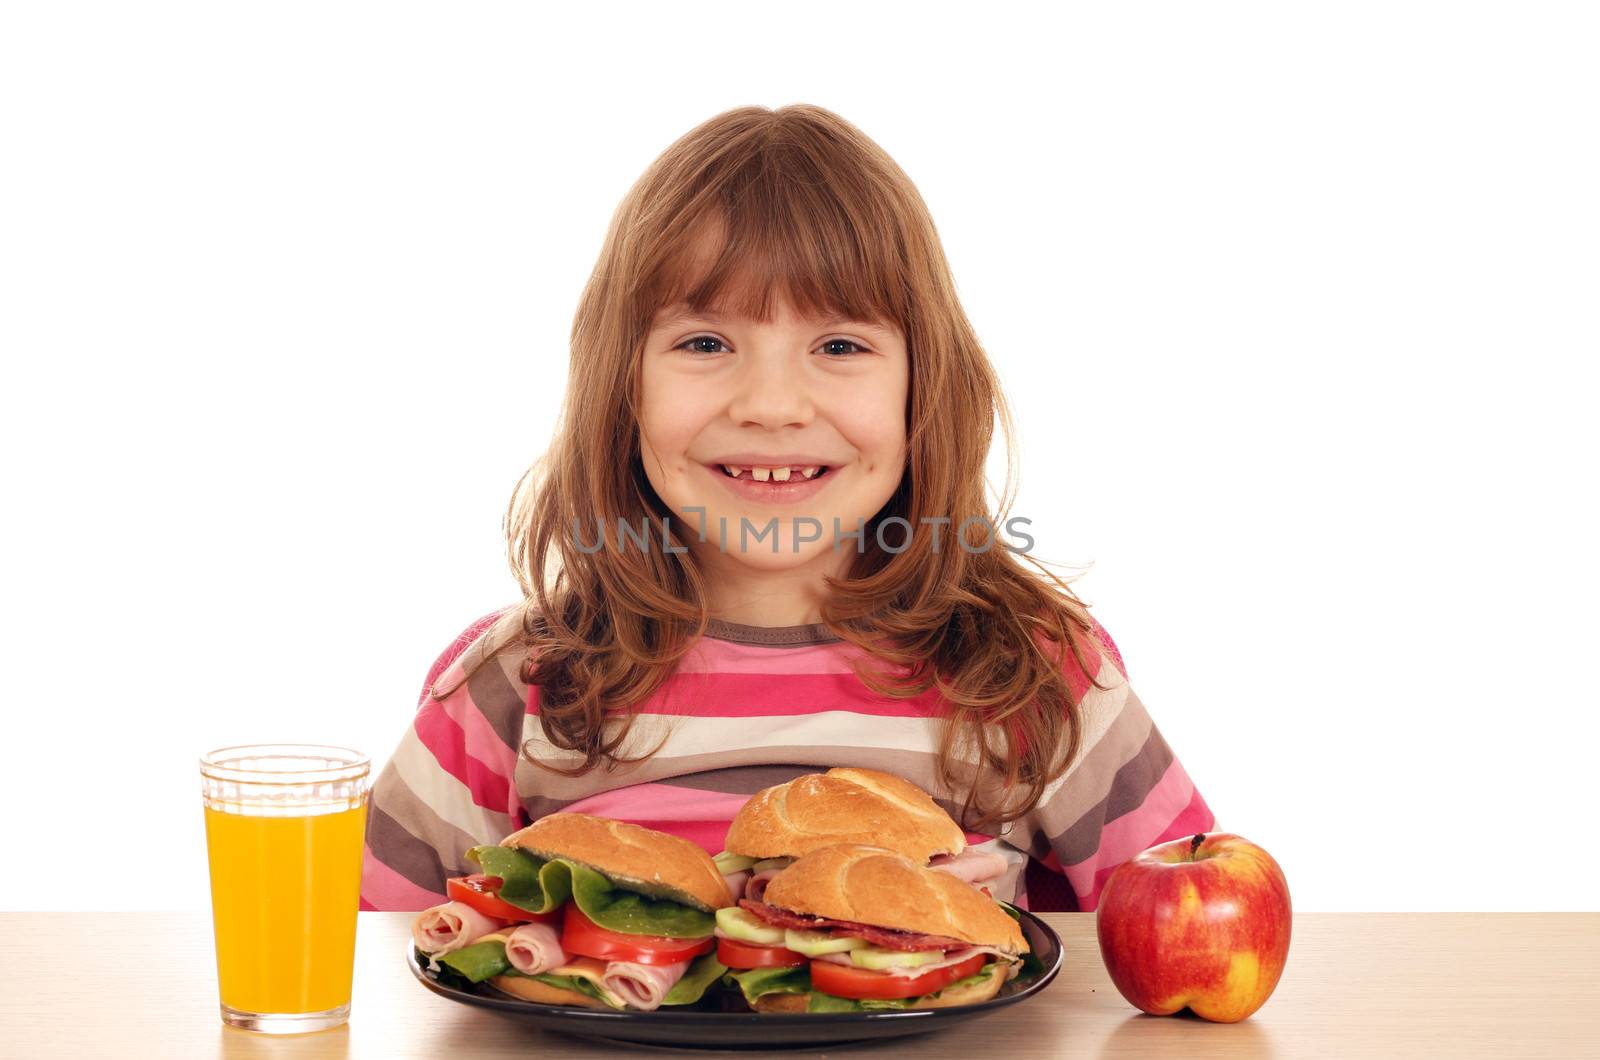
[(1382, 984)]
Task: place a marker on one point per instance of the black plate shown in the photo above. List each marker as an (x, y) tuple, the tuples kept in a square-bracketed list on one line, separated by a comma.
[(701, 1026)]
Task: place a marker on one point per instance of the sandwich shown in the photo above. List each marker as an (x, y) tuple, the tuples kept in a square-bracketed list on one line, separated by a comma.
[(854, 927), (582, 910), (847, 805)]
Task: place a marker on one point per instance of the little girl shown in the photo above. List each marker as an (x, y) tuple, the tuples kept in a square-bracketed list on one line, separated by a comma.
[(759, 547)]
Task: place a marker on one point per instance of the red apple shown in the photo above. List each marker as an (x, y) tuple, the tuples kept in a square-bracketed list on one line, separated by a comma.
[(1201, 922)]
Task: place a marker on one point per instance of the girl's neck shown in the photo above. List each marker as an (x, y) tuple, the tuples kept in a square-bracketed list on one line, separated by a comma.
[(749, 597)]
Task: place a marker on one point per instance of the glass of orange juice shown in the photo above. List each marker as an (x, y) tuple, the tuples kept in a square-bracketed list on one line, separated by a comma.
[(284, 829)]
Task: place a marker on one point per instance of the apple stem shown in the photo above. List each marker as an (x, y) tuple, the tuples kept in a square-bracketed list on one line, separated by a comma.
[(1194, 844)]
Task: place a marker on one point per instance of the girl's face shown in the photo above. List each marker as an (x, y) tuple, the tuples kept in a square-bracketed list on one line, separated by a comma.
[(782, 397)]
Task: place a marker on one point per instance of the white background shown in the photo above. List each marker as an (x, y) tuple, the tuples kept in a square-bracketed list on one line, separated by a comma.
[(1297, 311)]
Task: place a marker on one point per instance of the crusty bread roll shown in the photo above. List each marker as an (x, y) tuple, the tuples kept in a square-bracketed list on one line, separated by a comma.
[(641, 859), (877, 886), (544, 993), (843, 805), (966, 995)]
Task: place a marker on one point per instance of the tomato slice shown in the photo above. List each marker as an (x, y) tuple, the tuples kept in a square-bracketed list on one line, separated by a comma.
[(742, 955), (584, 937), (478, 891), (843, 980)]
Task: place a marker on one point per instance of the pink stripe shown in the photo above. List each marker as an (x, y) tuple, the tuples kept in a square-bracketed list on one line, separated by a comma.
[(1194, 817), (445, 740), (708, 835), (702, 817), (483, 743), (453, 652), (1122, 838), (725, 656), (1077, 679), (723, 695), (384, 888), (661, 802), (1111, 645)]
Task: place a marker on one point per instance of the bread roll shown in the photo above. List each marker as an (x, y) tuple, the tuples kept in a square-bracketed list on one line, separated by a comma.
[(544, 993), (641, 859), (877, 886), (844, 805)]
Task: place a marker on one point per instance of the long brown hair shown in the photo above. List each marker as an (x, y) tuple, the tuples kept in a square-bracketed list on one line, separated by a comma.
[(794, 203)]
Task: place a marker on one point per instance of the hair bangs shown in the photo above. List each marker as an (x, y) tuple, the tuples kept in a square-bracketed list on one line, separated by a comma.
[(781, 238)]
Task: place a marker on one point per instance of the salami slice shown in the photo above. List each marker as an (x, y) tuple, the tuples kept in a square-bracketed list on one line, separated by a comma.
[(888, 938)]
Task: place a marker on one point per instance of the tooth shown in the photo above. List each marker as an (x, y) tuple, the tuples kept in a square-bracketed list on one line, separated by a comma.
[(759, 474), (730, 469), (810, 472), (780, 474)]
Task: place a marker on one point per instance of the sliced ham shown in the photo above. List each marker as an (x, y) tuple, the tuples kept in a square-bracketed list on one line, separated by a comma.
[(758, 884), (642, 986), (448, 927), (737, 882), (533, 949), (974, 866)]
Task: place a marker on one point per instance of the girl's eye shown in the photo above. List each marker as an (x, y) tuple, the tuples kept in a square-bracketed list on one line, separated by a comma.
[(700, 338), (826, 346)]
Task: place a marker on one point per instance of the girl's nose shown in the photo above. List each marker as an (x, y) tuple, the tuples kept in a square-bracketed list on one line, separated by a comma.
[(771, 391)]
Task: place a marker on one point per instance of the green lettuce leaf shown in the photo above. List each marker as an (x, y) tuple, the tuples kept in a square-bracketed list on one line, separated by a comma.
[(704, 971), (477, 962), (541, 886), (755, 982), (524, 881), (1032, 966)]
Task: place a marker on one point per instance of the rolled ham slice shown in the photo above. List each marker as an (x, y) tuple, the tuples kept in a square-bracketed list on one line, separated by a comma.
[(737, 882), (974, 866), (642, 986), (758, 885), (448, 927), (534, 949)]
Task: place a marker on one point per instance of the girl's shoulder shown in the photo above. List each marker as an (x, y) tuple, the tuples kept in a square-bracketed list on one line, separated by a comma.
[(496, 635)]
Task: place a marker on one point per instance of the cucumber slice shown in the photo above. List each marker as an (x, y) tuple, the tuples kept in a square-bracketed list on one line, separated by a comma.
[(877, 958), (727, 862), (740, 924), (771, 863), (816, 943)]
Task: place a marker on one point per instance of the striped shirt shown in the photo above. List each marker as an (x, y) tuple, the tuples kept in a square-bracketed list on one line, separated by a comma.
[(747, 708)]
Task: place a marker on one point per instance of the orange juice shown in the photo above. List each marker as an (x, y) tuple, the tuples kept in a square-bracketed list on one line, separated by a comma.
[(284, 891)]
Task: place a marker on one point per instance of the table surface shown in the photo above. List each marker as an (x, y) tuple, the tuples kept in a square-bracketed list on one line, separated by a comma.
[(1356, 984)]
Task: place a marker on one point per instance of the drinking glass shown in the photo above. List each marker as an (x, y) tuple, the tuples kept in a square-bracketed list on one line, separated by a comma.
[(284, 830)]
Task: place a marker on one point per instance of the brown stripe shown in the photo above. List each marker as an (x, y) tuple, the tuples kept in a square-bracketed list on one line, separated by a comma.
[(740, 780), (426, 859), (499, 699), (503, 631), (771, 636), (1130, 786), (735, 780), (539, 787), (1090, 778)]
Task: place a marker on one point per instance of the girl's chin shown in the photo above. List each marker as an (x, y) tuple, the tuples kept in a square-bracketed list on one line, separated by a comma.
[(762, 553)]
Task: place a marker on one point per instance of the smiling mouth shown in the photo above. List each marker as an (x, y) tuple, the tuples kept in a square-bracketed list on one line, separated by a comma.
[(775, 476)]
